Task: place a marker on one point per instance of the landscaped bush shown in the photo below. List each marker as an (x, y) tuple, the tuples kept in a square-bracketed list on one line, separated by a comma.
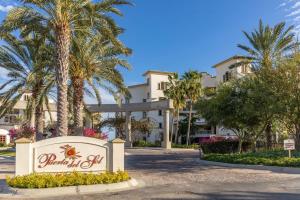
[(69, 179), (271, 158), (89, 132), (143, 143), (184, 146), (223, 147)]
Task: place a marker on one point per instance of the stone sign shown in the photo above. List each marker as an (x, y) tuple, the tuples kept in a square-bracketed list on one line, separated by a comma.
[(68, 154)]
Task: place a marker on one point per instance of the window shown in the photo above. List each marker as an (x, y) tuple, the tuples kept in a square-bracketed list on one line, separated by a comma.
[(148, 95), (244, 69), (162, 98), (160, 125), (2, 138), (144, 100), (26, 97), (148, 81), (144, 115), (132, 118), (162, 86), (159, 112), (226, 76), (6, 119)]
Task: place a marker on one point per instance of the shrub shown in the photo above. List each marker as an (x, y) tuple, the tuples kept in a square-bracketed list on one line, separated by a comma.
[(271, 158), (24, 131), (225, 146), (184, 146), (89, 132), (67, 179), (143, 143)]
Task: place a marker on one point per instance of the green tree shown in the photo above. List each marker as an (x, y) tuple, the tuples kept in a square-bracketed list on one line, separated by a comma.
[(62, 18), (191, 81), (268, 45), (175, 91), (29, 65), (288, 87)]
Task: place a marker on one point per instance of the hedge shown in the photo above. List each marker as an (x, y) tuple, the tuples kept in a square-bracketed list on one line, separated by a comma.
[(143, 143), (223, 147), (271, 158), (184, 146), (65, 179)]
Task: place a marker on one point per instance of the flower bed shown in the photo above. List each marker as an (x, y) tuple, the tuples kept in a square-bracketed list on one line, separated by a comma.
[(66, 179), (268, 158)]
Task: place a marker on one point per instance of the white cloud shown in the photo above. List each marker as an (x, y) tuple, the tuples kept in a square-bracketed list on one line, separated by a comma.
[(6, 8), (282, 5), (294, 13), (296, 5)]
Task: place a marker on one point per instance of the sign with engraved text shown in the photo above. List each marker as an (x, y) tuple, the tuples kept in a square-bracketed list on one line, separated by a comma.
[(68, 157)]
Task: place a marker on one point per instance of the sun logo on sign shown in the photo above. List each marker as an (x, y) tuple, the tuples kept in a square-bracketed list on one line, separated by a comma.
[(70, 152)]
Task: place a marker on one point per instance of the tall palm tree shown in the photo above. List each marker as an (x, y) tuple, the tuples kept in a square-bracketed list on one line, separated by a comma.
[(268, 45), (175, 91), (29, 65), (63, 17), (94, 61), (193, 91)]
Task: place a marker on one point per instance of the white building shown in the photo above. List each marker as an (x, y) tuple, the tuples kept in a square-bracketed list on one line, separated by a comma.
[(152, 90), (17, 115), (234, 67), (155, 83)]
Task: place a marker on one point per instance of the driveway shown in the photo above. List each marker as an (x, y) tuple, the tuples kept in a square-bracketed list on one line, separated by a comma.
[(177, 174)]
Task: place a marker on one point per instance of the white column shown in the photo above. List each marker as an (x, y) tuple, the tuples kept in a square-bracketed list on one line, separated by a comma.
[(24, 157), (166, 142), (128, 130), (116, 155)]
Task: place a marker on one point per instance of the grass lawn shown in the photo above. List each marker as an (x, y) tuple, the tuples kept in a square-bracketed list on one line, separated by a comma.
[(7, 153), (268, 158)]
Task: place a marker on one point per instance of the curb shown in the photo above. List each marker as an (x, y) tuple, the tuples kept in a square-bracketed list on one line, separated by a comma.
[(288, 170), (73, 190)]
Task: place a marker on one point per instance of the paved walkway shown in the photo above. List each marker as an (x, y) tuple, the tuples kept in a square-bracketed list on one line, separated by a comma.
[(177, 175)]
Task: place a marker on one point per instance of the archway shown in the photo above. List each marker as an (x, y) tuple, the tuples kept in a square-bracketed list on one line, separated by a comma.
[(128, 108)]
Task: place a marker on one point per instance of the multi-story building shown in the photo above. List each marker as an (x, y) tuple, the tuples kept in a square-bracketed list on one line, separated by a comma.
[(152, 90), (17, 115)]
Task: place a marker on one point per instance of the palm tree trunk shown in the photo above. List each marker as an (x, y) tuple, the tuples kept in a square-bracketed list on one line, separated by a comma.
[(39, 122), (189, 125), (177, 126), (78, 83), (62, 71)]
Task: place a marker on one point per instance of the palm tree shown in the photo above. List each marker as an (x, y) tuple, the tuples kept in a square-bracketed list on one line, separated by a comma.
[(28, 62), (268, 45), (176, 92), (193, 90), (62, 18), (94, 60)]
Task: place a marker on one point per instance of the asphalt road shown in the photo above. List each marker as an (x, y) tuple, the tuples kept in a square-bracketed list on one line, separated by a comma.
[(177, 175)]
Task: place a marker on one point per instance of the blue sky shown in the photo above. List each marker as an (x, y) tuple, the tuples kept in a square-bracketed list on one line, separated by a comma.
[(178, 35)]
